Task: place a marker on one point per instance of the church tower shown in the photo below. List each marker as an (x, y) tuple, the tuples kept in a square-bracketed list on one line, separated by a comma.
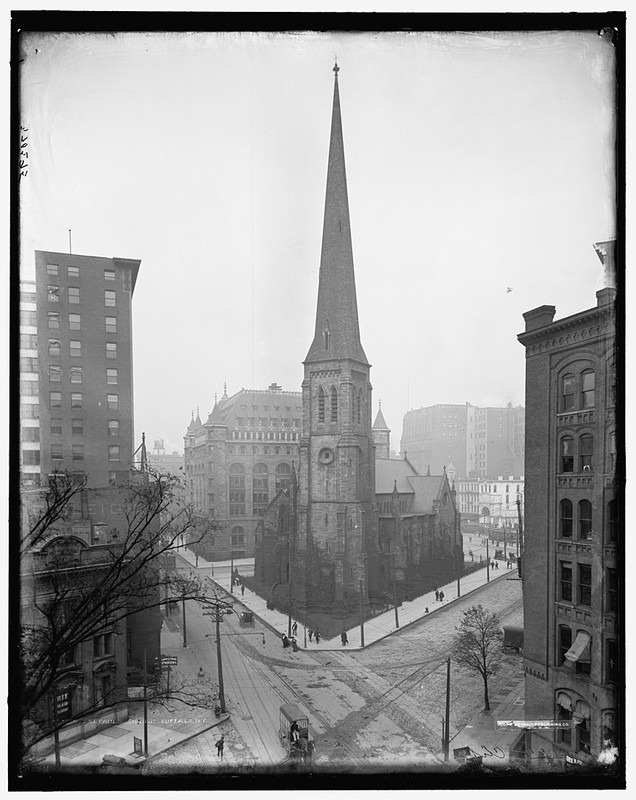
[(381, 435), (337, 521)]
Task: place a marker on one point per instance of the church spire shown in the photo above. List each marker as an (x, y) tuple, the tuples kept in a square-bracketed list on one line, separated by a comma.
[(337, 333)]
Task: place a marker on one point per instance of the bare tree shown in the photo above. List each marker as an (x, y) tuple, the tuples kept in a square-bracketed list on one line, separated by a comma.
[(478, 645), (72, 593)]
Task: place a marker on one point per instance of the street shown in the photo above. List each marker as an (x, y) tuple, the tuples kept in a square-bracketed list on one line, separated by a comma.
[(381, 705)]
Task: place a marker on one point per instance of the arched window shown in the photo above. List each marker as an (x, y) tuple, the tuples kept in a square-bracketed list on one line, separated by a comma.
[(260, 496), (236, 485), (587, 389), (565, 518), (568, 384), (283, 476), (334, 404), (612, 521), (582, 726), (564, 712), (321, 404), (567, 454), (586, 451), (585, 519)]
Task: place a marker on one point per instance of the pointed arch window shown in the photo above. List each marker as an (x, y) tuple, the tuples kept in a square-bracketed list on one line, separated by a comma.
[(321, 404), (326, 336), (334, 404)]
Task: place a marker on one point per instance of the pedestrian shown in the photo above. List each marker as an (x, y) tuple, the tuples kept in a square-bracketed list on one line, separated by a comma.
[(219, 747), (294, 644), (470, 553), (317, 634), (310, 633), (470, 539), (294, 628), (496, 565), (285, 640), (201, 673), (436, 595), (441, 596), (344, 639)]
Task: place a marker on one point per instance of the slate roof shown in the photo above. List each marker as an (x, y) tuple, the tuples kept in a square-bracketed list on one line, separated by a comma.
[(424, 489)]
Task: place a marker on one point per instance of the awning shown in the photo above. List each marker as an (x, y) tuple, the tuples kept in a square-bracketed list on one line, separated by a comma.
[(580, 643), (582, 710), (564, 701)]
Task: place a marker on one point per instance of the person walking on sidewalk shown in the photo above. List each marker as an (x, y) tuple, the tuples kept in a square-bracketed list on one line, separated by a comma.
[(310, 633), (441, 596), (344, 639), (294, 628), (219, 747), (242, 589), (436, 595), (317, 634)]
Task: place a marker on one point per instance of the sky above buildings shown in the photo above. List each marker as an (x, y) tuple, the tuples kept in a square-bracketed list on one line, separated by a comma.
[(480, 172)]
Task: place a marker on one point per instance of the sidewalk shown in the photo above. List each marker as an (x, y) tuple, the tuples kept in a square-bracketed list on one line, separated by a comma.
[(375, 629)]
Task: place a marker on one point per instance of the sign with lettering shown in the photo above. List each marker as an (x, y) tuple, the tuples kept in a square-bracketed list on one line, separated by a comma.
[(169, 661), (63, 705)]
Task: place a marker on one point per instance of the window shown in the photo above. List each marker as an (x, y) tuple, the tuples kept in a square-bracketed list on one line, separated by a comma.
[(112, 402), (236, 485), (53, 294), (73, 272), (611, 661), (565, 518), (75, 348), (113, 427), (612, 521), (567, 454), (29, 318), (283, 477), (113, 452), (611, 603), (28, 297), (53, 318), (586, 450), (28, 364), (585, 585), (584, 661), (260, 497), (28, 341), (112, 478), (321, 404), (52, 269), (565, 642), (238, 536), (78, 452), (587, 389), (585, 519), (76, 374), (57, 452), (109, 274), (73, 294), (111, 324), (55, 348), (55, 399), (334, 404), (111, 376), (77, 400), (98, 647), (612, 452), (77, 427), (111, 350), (30, 434), (564, 712), (110, 298), (567, 393), (31, 458), (30, 410), (566, 580), (582, 726)]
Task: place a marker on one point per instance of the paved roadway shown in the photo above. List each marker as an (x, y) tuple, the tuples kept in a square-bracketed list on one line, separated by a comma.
[(381, 705)]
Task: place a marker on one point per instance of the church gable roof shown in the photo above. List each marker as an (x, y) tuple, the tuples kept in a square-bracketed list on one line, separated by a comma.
[(390, 472), (428, 491)]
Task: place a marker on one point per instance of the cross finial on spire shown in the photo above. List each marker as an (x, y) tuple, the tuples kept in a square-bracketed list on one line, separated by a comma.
[(380, 404), (336, 68)]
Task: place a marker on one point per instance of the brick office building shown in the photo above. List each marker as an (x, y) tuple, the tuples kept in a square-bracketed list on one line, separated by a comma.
[(572, 532)]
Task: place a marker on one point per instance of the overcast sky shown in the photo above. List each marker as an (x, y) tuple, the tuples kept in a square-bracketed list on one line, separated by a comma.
[(475, 163)]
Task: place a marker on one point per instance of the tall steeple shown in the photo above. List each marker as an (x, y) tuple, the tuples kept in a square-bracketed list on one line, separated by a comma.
[(337, 333)]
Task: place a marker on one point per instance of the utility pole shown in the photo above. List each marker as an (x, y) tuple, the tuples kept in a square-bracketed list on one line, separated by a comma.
[(56, 732), (185, 636), (145, 707), (232, 571), (505, 542), (219, 660), (488, 558), (460, 552), (447, 724), (361, 615)]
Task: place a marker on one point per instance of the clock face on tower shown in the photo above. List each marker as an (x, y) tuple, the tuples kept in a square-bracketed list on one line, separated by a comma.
[(325, 456)]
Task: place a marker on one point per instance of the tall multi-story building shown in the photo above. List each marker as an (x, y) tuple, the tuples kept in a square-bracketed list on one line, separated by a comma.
[(165, 463), (76, 368), (480, 442), (237, 460), (572, 529), (76, 424)]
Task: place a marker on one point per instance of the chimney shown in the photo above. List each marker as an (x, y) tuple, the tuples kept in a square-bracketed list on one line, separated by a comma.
[(539, 317)]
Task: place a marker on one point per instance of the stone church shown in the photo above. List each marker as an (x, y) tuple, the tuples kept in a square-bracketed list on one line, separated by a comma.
[(317, 545)]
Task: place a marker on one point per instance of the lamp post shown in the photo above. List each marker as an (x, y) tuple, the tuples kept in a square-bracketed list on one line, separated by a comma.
[(219, 659), (395, 602), (488, 559), (185, 635), (361, 615), (231, 570), (145, 707), (446, 725)]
